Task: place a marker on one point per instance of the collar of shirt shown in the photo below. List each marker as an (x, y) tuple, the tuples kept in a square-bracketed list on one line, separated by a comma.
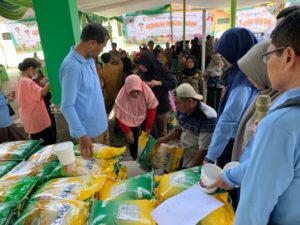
[(78, 57), (286, 96)]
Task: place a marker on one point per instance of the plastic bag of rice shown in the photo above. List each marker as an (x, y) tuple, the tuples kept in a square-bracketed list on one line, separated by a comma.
[(17, 150), (54, 212), (72, 188), (174, 183), (6, 166), (123, 212), (139, 187), (83, 167)]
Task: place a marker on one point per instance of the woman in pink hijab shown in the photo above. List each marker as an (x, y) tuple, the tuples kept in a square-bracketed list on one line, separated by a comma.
[(135, 107)]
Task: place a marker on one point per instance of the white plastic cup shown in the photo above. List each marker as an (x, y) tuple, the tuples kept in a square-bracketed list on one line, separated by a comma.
[(230, 165), (65, 153), (209, 175)]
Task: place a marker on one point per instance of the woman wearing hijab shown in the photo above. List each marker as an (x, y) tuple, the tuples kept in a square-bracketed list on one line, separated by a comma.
[(127, 66), (191, 74), (243, 143), (233, 45), (135, 107), (161, 81), (214, 73)]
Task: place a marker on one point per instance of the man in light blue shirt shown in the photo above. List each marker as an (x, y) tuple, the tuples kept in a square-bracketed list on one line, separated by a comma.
[(82, 100), (270, 187)]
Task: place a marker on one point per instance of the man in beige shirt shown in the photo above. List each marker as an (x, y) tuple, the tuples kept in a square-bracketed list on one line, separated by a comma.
[(111, 76)]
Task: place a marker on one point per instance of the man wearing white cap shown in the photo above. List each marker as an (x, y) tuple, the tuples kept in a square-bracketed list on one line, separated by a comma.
[(196, 122)]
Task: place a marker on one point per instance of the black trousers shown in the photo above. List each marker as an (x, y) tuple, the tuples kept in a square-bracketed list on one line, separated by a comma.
[(46, 135), (133, 148)]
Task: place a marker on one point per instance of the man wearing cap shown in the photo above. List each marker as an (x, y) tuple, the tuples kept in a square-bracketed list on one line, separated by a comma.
[(196, 122)]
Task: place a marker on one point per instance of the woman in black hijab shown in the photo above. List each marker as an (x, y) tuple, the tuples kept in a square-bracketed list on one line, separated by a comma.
[(191, 75), (161, 81)]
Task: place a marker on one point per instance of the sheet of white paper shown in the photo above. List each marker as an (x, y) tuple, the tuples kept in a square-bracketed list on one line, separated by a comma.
[(186, 208)]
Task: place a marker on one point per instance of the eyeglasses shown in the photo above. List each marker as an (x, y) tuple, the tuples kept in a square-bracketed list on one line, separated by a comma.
[(266, 56)]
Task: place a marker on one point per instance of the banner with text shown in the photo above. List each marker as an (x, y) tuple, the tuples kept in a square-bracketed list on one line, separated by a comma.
[(157, 27)]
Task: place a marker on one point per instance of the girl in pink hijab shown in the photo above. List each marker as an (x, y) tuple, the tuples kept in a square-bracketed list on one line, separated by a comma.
[(135, 107)]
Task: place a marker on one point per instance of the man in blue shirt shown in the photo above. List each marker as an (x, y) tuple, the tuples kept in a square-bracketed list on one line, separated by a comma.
[(270, 187), (82, 101)]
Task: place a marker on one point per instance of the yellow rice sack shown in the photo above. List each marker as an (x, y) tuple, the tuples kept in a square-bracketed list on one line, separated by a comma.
[(27, 168), (123, 212), (83, 167), (64, 212), (221, 216), (73, 188), (107, 152)]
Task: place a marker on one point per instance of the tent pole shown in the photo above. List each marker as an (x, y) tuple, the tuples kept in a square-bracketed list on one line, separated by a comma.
[(203, 39), (171, 23), (233, 12), (183, 33), (203, 46)]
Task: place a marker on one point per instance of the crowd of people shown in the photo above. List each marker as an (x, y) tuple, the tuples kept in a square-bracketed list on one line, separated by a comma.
[(217, 126)]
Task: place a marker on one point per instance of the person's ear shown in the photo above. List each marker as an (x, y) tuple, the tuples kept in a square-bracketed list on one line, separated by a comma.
[(291, 58)]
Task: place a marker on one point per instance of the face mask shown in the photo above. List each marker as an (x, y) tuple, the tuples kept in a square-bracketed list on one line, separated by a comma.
[(35, 76)]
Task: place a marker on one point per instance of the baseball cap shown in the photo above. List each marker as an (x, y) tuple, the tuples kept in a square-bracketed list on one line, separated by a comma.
[(187, 91)]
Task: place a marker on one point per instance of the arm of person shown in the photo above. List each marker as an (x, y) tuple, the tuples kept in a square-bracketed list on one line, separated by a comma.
[(169, 82), (70, 82), (151, 113), (228, 122), (127, 132), (199, 157), (174, 134), (45, 89), (269, 173), (125, 128), (3, 100)]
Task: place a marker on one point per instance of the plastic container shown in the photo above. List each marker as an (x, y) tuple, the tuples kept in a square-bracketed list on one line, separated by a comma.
[(65, 153)]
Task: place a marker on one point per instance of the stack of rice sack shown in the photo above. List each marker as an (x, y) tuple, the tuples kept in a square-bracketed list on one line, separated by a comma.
[(66, 197), (16, 183)]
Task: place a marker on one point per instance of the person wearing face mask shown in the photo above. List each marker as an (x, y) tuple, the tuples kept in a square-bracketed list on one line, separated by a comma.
[(135, 108), (191, 75), (32, 110)]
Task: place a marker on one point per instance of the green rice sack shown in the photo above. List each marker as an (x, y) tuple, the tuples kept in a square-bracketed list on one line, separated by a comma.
[(6, 166), (17, 150), (6, 213), (135, 188), (123, 212), (15, 191)]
